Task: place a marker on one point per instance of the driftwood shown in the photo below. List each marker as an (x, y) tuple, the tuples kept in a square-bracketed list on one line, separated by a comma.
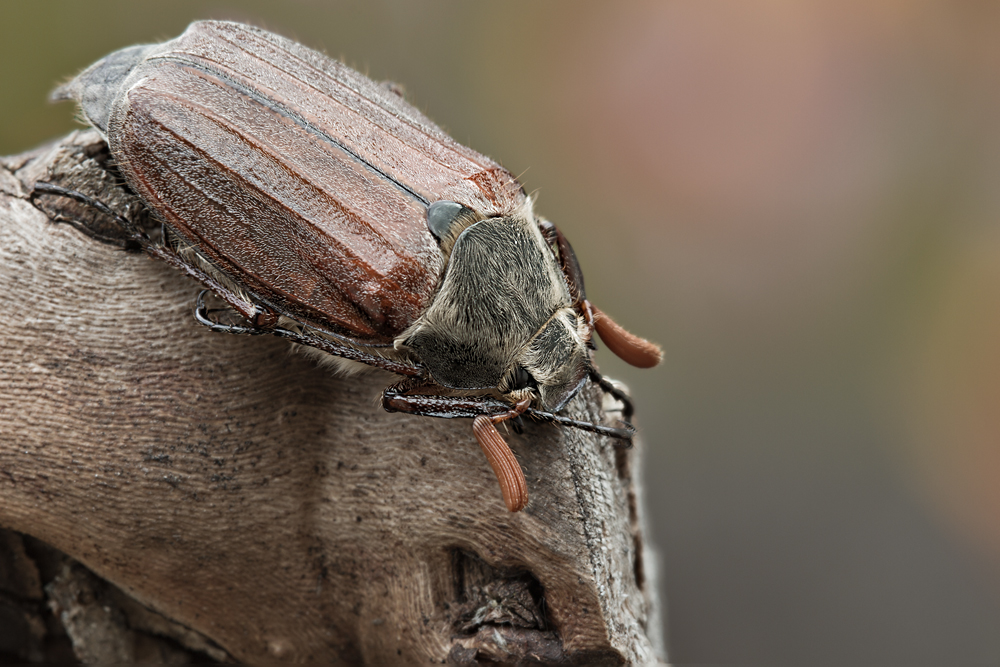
[(265, 510)]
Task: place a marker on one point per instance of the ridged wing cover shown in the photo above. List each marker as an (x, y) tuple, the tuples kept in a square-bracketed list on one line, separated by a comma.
[(303, 180)]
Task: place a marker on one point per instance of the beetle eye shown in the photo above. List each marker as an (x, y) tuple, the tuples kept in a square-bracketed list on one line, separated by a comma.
[(522, 379)]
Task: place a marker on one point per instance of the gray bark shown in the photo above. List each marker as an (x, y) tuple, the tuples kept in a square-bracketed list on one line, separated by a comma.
[(262, 505)]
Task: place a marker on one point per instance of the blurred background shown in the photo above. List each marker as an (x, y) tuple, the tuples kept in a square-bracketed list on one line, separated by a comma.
[(800, 201)]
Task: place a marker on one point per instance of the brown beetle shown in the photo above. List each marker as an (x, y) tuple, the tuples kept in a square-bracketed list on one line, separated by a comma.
[(323, 208)]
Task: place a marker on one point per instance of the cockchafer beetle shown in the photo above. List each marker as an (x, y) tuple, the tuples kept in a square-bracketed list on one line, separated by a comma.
[(323, 208)]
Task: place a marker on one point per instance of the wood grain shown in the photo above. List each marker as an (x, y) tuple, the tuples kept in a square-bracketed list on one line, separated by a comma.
[(234, 487)]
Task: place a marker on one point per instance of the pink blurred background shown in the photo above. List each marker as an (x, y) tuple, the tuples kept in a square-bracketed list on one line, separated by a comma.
[(800, 201)]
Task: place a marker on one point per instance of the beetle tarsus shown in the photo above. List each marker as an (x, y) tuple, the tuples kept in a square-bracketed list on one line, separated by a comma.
[(628, 409), (201, 314), (626, 434)]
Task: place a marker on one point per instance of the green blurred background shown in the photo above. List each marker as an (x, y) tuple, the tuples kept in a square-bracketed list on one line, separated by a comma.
[(800, 201)]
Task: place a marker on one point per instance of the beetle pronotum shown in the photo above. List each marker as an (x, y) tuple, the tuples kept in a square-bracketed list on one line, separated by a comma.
[(323, 208)]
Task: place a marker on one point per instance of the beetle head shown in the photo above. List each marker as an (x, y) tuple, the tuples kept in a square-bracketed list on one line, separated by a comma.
[(502, 318), (554, 365)]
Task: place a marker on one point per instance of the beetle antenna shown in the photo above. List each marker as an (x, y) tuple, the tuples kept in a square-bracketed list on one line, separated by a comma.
[(631, 349), (513, 486)]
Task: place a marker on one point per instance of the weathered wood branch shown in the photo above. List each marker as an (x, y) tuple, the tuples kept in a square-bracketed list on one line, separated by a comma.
[(232, 486)]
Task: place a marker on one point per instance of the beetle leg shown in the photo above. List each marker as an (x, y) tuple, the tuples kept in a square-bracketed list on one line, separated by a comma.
[(338, 349), (628, 409), (486, 413), (135, 236), (398, 398), (549, 231), (201, 313), (309, 339), (245, 308), (623, 434), (260, 318)]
